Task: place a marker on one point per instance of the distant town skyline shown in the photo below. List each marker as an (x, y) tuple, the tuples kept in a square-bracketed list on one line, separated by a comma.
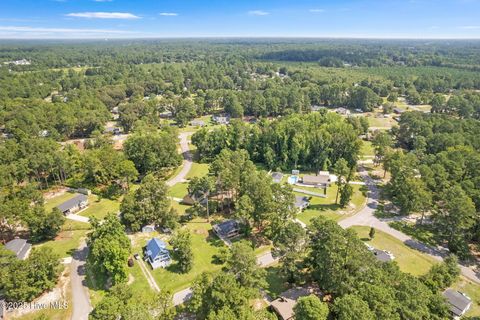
[(80, 19)]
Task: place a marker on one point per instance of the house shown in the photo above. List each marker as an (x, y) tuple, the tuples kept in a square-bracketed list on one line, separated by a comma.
[(342, 111), (148, 228), (398, 110), (285, 304), (197, 123), (316, 108), (227, 229), (156, 253), (321, 180), (277, 177), (221, 119), (301, 203), (77, 203), (459, 302), (20, 247), (295, 172), (191, 199)]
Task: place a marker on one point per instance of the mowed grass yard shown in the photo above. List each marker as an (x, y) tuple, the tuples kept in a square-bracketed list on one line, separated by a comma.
[(417, 263), (408, 259), (327, 207), (68, 239), (205, 246), (98, 207)]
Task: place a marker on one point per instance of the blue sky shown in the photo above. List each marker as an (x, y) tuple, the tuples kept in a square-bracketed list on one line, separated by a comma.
[(239, 18)]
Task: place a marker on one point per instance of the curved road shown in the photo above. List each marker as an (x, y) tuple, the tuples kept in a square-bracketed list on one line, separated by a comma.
[(80, 295), (366, 217)]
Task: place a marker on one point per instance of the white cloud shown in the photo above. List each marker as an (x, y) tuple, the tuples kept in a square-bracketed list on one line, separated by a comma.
[(469, 27), (169, 14), (316, 10), (25, 32), (258, 13), (103, 15)]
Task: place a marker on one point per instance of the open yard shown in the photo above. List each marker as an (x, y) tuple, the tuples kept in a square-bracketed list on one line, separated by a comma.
[(327, 207), (205, 246), (197, 170), (68, 238), (179, 190), (408, 259)]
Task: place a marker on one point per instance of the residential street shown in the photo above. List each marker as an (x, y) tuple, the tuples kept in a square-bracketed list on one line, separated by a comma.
[(80, 298), (366, 217), (187, 160)]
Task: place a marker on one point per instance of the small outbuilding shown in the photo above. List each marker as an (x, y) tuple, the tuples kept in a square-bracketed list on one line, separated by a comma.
[(197, 123), (277, 177), (148, 228), (20, 247), (77, 203), (157, 254), (227, 229), (458, 301), (221, 119)]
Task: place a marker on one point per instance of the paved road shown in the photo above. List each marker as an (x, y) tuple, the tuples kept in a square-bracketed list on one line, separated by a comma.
[(365, 217), (80, 298), (187, 160), (76, 217)]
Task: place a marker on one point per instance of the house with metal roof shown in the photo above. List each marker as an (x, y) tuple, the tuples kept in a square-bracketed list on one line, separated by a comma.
[(227, 229), (322, 179), (157, 254), (77, 203), (20, 247), (458, 301)]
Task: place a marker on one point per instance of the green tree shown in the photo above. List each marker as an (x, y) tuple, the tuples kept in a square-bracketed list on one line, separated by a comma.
[(352, 307), (242, 262), (182, 249), (440, 276), (371, 233), (109, 248), (148, 204), (311, 308)]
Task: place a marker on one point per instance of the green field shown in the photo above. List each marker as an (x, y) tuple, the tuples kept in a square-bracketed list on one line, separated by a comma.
[(367, 149), (198, 170), (327, 207), (205, 246), (408, 259), (100, 207), (179, 190)]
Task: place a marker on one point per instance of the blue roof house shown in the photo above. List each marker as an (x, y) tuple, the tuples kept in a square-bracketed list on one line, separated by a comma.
[(156, 253)]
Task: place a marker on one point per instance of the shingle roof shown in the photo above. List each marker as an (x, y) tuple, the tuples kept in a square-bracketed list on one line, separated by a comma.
[(277, 176), (301, 201), (156, 247), (20, 247), (459, 302), (75, 201)]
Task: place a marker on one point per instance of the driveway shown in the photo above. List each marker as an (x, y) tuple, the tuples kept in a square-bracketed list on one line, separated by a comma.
[(366, 217), (80, 297), (187, 160)]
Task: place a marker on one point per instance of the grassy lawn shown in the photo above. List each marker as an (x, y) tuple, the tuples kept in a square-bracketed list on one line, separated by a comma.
[(327, 207), (421, 233), (198, 170), (68, 238), (179, 190), (380, 122), (205, 246), (367, 149), (473, 291), (53, 202), (408, 259), (100, 207), (276, 284)]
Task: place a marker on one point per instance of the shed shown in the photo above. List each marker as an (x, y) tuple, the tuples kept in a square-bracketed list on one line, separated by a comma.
[(79, 202), (459, 302), (20, 247), (277, 177), (148, 228), (197, 123), (156, 253)]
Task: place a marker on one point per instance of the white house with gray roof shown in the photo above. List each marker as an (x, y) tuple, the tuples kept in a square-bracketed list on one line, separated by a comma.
[(77, 203), (458, 301)]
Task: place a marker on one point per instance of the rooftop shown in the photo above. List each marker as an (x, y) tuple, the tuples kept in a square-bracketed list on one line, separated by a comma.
[(227, 226), (71, 203), (20, 247), (459, 302), (156, 247)]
